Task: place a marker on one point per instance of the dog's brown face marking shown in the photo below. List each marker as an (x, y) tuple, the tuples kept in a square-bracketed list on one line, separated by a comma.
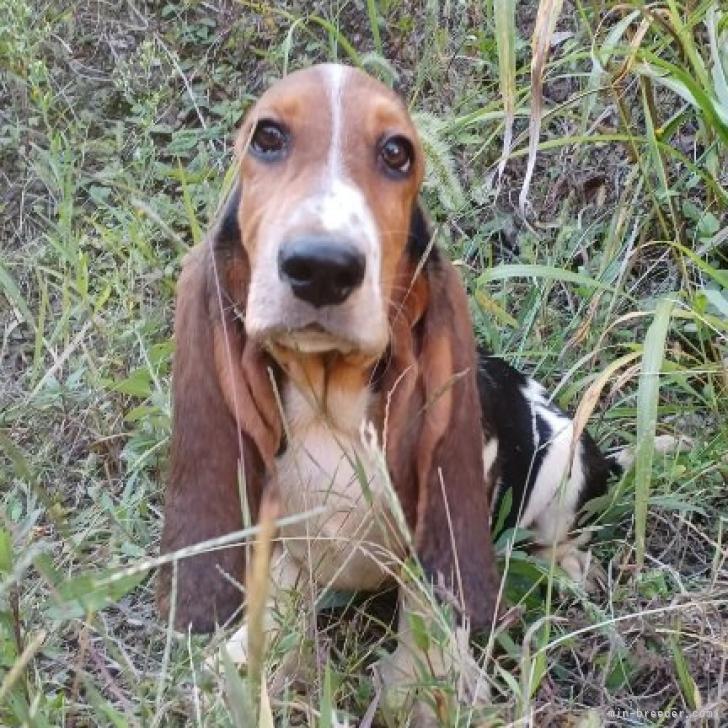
[(330, 169)]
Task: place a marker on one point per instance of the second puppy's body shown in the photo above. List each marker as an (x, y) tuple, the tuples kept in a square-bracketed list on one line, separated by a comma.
[(548, 475)]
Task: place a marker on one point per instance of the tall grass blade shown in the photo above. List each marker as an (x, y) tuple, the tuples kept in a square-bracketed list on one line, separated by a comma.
[(195, 228), (13, 294), (374, 25), (546, 17), (688, 687), (257, 590), (288, 43), (600, 60), (719, 275), (647, 398), (19, 665), (265, 719), (338, 37), (327, 703), (677, 80), (658, 162), (718, 52), (591, 397), (504, 14), (528, 270), (242, 711), (687, 43)]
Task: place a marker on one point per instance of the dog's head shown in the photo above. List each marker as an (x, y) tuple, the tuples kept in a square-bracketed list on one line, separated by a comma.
[(330, 168)]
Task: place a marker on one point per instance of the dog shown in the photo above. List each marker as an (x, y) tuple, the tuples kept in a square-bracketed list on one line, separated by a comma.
[(325, 354)]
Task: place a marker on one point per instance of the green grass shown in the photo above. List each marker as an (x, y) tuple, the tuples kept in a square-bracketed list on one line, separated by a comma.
[(115, 137)]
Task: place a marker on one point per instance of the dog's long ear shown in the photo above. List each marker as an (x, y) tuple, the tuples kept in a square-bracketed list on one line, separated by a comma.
[(433, 431), (224, 425)]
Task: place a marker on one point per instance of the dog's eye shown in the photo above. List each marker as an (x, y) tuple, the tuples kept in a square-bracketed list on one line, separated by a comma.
[(396, 153), (269, 139)]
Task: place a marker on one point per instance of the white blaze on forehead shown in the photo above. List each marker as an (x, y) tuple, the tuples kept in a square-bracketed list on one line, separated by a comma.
[(335, 163), (340, 205)]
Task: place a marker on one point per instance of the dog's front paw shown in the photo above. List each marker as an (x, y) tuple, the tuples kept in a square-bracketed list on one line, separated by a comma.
[(236, 647), (577, 563), (426, 685), (584, 570), (396, 676)]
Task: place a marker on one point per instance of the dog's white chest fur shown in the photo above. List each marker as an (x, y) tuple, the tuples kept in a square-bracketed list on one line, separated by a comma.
[(353, 543)]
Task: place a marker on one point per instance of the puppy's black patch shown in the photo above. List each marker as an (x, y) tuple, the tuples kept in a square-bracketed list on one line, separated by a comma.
[(227, 233), (420, 237)]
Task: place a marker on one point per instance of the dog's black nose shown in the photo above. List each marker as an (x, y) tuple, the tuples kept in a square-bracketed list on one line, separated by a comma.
[(321, 271)]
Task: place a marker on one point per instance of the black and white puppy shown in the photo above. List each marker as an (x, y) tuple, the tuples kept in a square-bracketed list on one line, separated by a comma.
[(531, 457)]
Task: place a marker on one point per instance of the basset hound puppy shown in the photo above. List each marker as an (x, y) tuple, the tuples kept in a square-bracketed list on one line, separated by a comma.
[(325, 353)]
